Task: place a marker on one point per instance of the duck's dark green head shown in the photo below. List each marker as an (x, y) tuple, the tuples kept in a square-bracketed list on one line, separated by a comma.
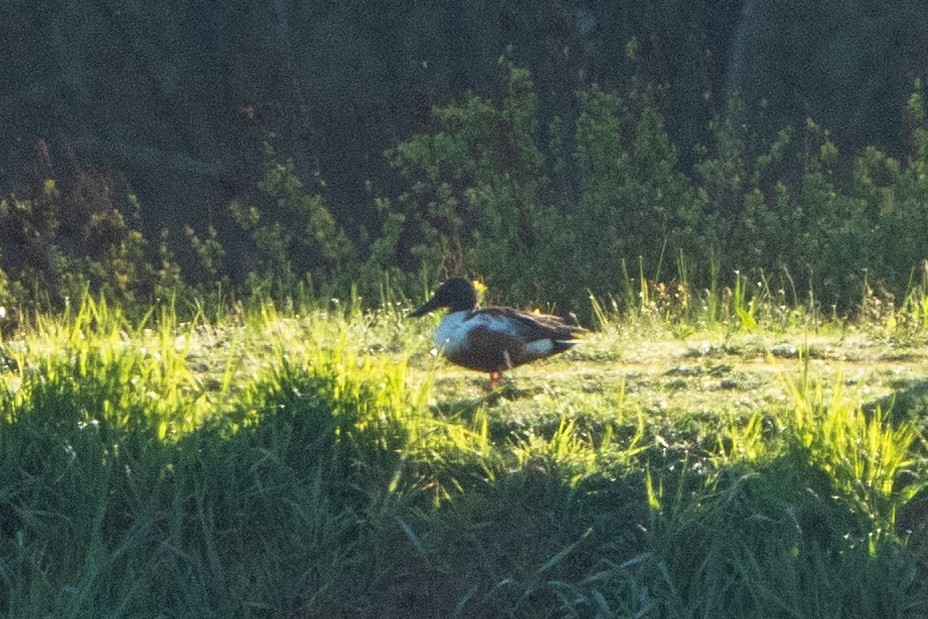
[(456, 294)]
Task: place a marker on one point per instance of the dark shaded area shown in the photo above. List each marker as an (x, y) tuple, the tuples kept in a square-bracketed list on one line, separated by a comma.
[(175, 100)]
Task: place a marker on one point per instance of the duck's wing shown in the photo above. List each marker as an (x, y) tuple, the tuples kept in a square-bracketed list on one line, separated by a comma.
[(524, 326)]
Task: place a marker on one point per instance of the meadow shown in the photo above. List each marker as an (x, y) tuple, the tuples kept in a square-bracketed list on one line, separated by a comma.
[(739, 457)]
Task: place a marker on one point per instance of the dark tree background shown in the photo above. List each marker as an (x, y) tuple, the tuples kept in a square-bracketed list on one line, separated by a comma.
[(175, 99)]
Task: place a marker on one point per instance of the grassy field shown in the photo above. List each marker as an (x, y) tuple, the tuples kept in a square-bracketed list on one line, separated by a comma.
[(765, 463)]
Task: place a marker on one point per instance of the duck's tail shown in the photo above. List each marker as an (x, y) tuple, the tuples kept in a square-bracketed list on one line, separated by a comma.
[(562, 345)]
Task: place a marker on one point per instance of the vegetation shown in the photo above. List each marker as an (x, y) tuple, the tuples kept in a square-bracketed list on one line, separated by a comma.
[(176, 103), (321, 463), (548, 214), (272, 440)]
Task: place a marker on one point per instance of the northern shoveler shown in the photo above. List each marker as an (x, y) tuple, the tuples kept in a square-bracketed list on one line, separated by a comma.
[(493, 339)]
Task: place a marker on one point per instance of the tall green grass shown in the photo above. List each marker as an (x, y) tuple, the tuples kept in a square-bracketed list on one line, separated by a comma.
[(761, 305), (275, 464)]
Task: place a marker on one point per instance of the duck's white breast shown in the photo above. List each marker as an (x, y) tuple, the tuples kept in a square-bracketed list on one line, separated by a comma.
[(451, 334)]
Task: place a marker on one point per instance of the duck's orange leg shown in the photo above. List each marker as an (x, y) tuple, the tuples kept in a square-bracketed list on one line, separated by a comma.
[(494, 379)]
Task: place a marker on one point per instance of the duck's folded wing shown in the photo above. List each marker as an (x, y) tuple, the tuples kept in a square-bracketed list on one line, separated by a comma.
[(526, 327)]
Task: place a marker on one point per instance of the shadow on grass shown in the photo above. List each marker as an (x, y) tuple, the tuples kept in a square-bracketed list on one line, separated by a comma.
[(774, 541), (908, 401), (319, 496)]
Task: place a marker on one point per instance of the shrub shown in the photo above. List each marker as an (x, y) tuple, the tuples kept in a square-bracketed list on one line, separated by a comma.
[(63, 239), (477, 202), (295, 243), (634, 203)]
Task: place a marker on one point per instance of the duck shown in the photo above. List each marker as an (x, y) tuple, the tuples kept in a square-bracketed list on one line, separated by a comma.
[(493, 339)]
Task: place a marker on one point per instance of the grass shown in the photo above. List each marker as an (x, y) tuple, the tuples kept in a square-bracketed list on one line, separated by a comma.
[(748, 459)]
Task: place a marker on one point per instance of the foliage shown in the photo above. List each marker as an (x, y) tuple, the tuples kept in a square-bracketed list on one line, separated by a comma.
[(779, 211), (478, 198), (60, 241), (295, 239), (269, 464), (602, 205), (633, 204)]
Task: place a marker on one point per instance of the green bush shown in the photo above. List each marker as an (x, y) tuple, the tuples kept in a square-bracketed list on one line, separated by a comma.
[(63, 240), (635, 204), (593, 204), (478, 198), (297, 249)]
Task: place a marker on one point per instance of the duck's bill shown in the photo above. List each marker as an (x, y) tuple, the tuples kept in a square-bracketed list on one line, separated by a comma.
[(430, 306)]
